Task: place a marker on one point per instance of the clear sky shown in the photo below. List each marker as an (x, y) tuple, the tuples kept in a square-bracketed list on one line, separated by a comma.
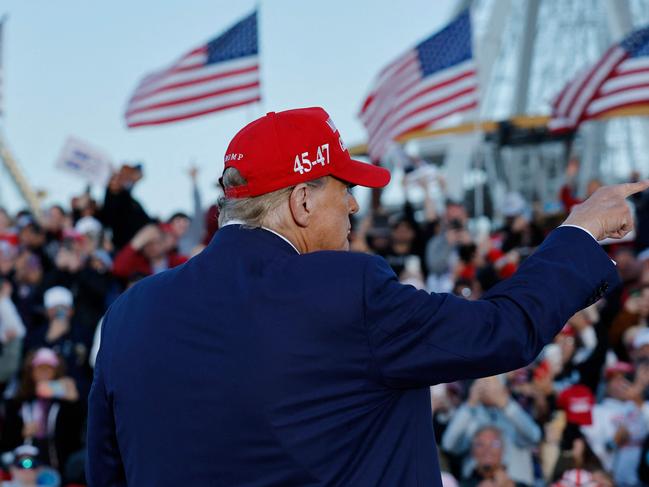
[(70, 66)]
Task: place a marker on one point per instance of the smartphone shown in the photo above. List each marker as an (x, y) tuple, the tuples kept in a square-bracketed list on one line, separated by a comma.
[(57, 388)]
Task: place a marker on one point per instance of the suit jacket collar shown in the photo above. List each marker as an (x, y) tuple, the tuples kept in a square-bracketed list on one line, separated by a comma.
[(234, 232)]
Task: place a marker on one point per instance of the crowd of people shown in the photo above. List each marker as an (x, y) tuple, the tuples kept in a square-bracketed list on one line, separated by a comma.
[(59, 272), (577, 416)]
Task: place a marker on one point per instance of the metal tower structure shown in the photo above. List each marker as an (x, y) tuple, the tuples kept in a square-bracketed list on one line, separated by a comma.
[(18, 179), (526, 52), (549, 41)]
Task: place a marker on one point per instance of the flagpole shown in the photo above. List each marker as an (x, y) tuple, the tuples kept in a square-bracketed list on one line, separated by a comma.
[(260, 103)]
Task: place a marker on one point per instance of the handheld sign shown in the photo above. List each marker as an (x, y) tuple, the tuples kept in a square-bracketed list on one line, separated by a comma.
[(85, 161)]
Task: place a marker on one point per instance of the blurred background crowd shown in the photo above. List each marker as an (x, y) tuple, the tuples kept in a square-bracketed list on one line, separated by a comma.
[(497, 111), (577, 416)]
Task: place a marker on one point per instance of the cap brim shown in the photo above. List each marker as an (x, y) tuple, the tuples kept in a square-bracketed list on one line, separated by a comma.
[(363, 174)]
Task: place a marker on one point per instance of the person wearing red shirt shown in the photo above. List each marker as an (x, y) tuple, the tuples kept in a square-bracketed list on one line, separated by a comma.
[(149, 252), (567, 191)]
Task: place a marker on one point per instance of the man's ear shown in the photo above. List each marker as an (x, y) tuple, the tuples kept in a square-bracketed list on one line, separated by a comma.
[(300, 204)]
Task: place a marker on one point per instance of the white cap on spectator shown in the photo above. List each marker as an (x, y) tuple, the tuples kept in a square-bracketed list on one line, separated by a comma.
[(26, 450), (58, 296), (513, 204), (87, 225), (641, 338)]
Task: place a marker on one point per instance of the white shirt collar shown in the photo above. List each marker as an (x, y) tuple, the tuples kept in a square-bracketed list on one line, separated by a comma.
[(241, 222)]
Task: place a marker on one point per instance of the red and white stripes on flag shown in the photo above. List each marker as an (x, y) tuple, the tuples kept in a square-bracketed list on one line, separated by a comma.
[(420, 88), (620, 78), (222, 74), (189, 89)]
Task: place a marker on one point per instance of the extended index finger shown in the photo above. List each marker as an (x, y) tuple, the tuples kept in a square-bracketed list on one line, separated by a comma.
[(631, 188)]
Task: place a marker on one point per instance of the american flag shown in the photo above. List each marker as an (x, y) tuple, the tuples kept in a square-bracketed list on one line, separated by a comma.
[(620, 78), (425, 85), (222, 74)]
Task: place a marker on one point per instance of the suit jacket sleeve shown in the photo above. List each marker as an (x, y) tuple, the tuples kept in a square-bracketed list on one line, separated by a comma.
[(104, 466), (419, 339)]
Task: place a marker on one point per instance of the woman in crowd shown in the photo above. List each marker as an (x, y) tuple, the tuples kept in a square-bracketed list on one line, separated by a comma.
[(45, 411)]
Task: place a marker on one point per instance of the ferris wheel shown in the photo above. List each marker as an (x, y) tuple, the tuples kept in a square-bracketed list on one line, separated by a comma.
[(526, 52)]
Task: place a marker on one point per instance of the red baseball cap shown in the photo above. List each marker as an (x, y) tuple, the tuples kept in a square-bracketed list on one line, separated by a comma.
[(617, 368), (567, 330), (286, 148)]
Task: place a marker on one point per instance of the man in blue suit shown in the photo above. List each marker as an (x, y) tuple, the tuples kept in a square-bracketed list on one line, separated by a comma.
[(273, 358)]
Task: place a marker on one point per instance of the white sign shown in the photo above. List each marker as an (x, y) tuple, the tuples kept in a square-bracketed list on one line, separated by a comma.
[(85, 161)]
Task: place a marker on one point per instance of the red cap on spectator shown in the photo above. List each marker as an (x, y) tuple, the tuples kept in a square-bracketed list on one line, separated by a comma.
[(295, 146), (494, 254), (567, 330), (11, 238), (618, 368), (577, 401), (508, 270), (72, 234), (166, 227)]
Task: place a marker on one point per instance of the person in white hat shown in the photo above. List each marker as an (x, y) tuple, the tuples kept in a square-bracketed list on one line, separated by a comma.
[(88, 225), (58, 302), (66, 335), (58, 296)]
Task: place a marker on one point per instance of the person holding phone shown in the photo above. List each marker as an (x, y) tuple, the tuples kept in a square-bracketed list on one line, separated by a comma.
[(64, 334), (45, 410), (489, 403)]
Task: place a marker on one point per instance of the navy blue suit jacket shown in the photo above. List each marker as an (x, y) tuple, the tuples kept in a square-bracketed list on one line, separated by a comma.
[(252, 365)]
